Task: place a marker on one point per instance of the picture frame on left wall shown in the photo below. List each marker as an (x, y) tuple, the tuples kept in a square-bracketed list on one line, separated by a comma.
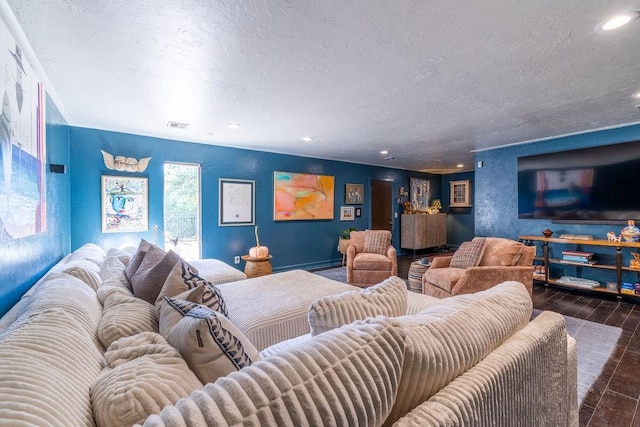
[(347, 213), (125, 204)]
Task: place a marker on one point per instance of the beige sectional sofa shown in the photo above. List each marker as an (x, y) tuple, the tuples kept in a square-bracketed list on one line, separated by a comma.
[(80, 349)]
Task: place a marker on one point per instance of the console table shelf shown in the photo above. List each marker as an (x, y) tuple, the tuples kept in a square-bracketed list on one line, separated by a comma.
[(618, 268)]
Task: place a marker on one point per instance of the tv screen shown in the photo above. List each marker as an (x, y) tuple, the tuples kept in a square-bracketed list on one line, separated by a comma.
[(591, 184)]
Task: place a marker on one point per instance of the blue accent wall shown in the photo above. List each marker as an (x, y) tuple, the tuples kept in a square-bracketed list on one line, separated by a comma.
[(460, 221), (496, 204), (293, 244), (23, 261)]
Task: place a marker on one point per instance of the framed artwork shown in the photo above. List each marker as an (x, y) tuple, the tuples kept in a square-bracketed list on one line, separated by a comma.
[(419, 194), (301, 196), (354, 194), (125, 204), (347, 213), (460, 194), (358, 212), (237, 202), (23, 207)]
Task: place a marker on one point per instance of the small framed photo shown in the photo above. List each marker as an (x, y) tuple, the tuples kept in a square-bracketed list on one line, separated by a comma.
[(237, 202), (354, 194), (460, 194), (358, 212), (347, 213)]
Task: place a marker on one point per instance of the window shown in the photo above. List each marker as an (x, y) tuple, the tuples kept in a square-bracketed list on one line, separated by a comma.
[(182, 209)]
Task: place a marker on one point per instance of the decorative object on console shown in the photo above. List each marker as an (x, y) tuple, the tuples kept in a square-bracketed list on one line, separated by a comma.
[(407, 208), (125, 164), (611, 236), (435, 207), (635, 262), (630, 233), (301, 196), (258, 252), (576, 236), (124, 204), (354, 194), (547, 233)]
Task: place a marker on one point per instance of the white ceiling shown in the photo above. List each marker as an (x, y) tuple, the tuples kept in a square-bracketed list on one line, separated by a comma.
[(429, 81)]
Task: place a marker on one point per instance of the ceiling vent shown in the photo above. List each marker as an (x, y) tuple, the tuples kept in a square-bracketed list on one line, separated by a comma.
[(389, 158), (638, 107), (177, 125)]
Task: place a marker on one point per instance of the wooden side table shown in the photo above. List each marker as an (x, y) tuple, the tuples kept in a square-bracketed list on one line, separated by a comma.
[(255, 267), (416, 270)]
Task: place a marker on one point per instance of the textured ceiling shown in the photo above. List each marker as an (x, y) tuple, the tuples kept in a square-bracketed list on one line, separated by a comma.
[(428, 81)]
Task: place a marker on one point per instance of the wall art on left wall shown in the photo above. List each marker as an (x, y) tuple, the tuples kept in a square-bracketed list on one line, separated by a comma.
[(125, 204)]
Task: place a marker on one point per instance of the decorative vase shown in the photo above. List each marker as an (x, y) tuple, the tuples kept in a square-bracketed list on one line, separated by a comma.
[(630, 233), (547, 233)]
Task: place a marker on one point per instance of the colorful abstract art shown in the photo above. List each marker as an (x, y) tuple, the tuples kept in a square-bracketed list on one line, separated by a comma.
[(301, 196), (125, 204), (22, 144)]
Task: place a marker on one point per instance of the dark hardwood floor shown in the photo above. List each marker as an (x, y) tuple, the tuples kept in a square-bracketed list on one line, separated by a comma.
[(613, 399)]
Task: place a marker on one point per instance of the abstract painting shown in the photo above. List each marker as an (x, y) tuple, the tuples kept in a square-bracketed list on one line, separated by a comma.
[(22, 143), (301, 196), (125, 204)]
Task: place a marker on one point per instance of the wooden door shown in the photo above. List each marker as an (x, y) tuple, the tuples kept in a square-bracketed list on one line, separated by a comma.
[(381, 205)]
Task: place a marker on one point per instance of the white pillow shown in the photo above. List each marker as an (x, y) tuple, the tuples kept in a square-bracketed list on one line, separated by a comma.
[(211, 345), (388, 298)]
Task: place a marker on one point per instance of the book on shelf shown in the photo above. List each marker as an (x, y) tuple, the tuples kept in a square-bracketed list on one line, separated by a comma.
[(576, 258), (578, 253), (572, 261)]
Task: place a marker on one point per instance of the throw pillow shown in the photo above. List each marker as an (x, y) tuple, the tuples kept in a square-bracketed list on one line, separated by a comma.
[(377, 241), (143, 375), (206, 295), (388, 298), (152, 273), (468, 254), (136, 259), (184, 277), (211, 345)]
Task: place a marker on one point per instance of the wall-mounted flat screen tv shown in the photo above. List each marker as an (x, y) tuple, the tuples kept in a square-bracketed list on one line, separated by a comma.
[(590, 184)]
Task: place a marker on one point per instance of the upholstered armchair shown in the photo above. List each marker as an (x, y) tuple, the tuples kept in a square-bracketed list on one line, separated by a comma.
[(478, 265), (370, 258)]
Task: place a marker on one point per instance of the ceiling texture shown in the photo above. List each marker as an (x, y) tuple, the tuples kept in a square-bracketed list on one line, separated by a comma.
[(428, 81)]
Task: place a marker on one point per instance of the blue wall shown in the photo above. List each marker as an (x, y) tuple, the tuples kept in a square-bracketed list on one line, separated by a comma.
[(460, 221), (293, 244), (496, 210), (23, 261)]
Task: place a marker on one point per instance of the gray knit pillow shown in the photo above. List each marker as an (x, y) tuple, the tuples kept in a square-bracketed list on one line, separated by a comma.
[(468, 254)]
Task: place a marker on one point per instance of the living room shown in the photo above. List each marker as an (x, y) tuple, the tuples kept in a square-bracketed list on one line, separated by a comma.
[(73, 198)]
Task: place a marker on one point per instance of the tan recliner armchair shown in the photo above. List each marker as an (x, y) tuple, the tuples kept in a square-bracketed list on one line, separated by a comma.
[(501, 260), (370, 258)]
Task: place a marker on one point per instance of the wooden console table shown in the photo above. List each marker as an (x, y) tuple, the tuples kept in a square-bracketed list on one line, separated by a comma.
[(256, 267), (616, 268)]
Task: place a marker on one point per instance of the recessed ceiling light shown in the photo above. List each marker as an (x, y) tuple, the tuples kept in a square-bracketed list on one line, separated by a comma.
[(636, 95), (307, 139), (460, 165), (233, 125), (384, 152), (618, 21)]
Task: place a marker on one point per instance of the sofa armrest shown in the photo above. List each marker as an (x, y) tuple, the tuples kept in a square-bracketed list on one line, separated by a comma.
[(477, 279), (441, 261)]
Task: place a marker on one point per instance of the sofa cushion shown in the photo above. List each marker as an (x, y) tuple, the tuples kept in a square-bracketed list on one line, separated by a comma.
[(369, 261), (444, 278), (90, 277), (377, 241), (121, 254), (468, 254), (445, 340), (143, 375), (388, 298), (152, 273), (345, 377), (136, 259), (500, 251), (90, 252), (211, 345), (112, 267), (184, 277), (217, 272), (124, 316)]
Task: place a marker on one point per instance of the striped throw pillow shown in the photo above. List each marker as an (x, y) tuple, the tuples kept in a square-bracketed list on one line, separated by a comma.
[(468, 254)]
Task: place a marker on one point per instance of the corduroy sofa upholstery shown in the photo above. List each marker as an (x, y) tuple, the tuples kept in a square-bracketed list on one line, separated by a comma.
[(359, 369), (502, 260)]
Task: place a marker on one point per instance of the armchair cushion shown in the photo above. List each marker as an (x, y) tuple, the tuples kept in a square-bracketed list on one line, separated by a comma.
[(468, 254), (369, 261), (377, 241), (444, 278), (501, 251)]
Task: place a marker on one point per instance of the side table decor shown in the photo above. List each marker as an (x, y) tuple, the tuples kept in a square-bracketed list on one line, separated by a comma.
[(416, 270)]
